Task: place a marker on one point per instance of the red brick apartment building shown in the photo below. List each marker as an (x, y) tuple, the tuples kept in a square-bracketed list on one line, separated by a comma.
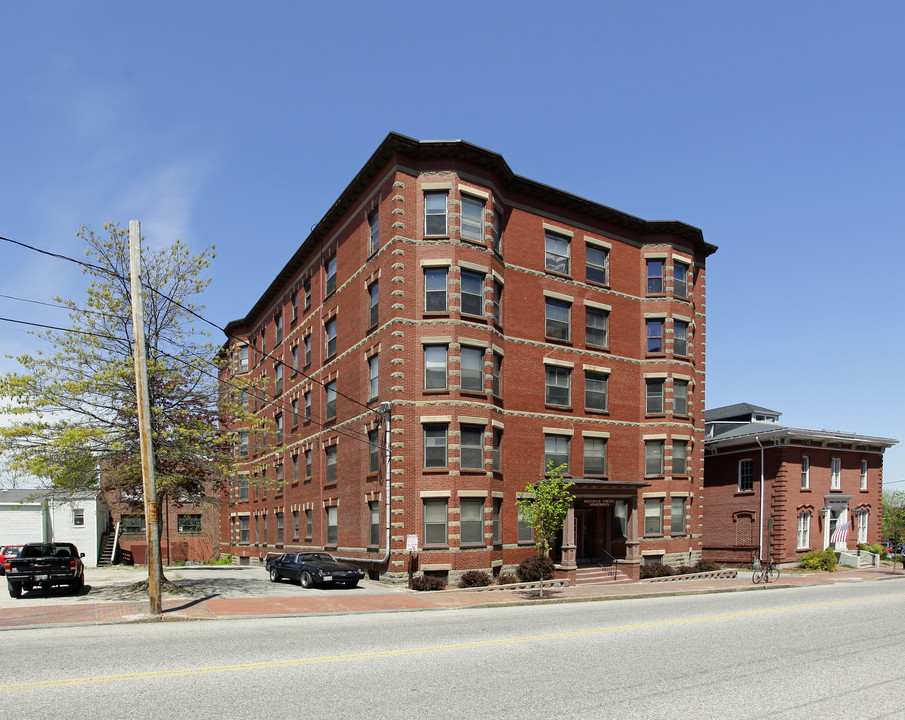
[(780, 491), (475, 323)]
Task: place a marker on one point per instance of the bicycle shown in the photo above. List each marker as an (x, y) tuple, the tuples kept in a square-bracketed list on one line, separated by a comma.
[(768, 572)]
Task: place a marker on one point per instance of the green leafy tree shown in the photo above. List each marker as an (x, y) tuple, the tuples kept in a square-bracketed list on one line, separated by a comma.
[(893, 504), (73, 402), (544, 506)]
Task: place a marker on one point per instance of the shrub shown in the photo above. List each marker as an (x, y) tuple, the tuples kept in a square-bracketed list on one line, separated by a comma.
[(474, 578), (656, 570), (506, 579), (428, 582), (531, 569), (706, 566), (818, 560), (876, 549), (685, 570)]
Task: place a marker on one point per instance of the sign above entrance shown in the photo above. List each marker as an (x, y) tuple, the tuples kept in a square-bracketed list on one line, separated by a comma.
[(596, 502)]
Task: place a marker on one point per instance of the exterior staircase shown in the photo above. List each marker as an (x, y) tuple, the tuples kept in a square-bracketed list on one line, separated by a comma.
[(108, 546), (597, 574)]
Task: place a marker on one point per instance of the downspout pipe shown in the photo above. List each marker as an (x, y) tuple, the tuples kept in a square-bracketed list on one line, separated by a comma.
[(760, 549)]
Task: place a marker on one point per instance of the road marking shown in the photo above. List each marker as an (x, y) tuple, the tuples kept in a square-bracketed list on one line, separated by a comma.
[(270, 664)]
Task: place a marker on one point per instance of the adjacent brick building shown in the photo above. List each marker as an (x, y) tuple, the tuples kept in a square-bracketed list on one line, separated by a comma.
[(779, 492), (491, 323)]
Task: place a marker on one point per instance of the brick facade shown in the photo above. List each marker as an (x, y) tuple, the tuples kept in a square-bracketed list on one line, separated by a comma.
[(513, 320)]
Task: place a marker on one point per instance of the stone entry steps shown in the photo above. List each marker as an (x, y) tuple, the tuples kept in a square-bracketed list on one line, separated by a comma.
[(597, 574)]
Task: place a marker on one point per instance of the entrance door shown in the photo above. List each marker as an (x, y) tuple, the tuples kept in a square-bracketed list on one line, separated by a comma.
[(587, 535)]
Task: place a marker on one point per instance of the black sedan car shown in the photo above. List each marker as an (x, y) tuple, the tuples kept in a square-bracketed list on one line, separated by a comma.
[(314, 568)]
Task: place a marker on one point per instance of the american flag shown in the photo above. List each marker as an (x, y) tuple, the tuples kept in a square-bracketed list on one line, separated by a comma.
[(840, 534)]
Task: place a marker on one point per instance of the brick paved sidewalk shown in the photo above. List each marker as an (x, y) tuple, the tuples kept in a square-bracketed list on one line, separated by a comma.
[(211, 607)]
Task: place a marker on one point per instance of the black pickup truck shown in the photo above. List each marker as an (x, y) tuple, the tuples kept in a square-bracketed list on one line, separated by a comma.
[(45, 564)]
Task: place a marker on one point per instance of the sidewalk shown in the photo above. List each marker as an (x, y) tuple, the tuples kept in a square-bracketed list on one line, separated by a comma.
[(298, 602)]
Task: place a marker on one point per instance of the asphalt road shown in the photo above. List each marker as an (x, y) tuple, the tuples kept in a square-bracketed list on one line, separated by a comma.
[(831, 651)]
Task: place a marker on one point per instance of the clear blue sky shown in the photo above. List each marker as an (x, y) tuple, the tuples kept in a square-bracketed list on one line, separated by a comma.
[(777, 128)]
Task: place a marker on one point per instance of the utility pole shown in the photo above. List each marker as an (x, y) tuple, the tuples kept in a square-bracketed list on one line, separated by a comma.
[(142, 396)]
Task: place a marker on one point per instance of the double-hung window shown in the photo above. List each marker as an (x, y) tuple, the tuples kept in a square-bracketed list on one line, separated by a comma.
[(330, 275), (597, 264), (556, 451), (805, 472), (680, 280), (653, 457), (373, 377), (498, 302), (435, 521), (496, 374), (835, 473), (243, 358), (804, 529), (677, 516), (330, 332), (655, 336), (332, 526), (472, 219), (373, 232), (373, 304), (558, 319), (471, 361), (595, 390), (330, 391), (471, 447), (472, 296), (435, 213), (471, 521), (374, 522), (278, 379), (435, 289), (654, 396), (435, 367), (558, 384), (680, 397), (435, 445), (680, 338), (278, 328), (653, 516), (497, 451), (373, 451), (746, 475), (680, 457), (307, 406), (307, 349), (597, 323), (654, 277), (864, 474), (330, 464), (558, 254), (594, 456)]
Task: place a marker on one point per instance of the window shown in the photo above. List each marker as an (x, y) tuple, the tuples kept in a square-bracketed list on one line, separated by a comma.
[(680, 280), (653, 457), (374, 523), (243, 358), (862, 526), (595, 391), (243, 489), (78, 517), (295, 524), (653, 516), (680, 397), (330, 389), (278, 329), (132, 524), (745, 475), (654, 277), (525, 531), (280, 530), (307, 398), (472, 298), (278, 379), (308, 464), (295, 359), (597, 323), (471, 446), (594, 456), (330, 275), (680, 338), (244, 535), (307, 287), (677, 516), (471, 361), (373, 304), (472, 219), (295, 305), (495, 522), (373, 451), (558, 386), (497, 231), (654, 336), (243, 443), (332, 527), (597, 265), (307, 349), (471, 521), (294, 405), (497, 452), (278, 426), (295, 469), (330, 464), (373, 376), (308, 524), (805, 472), (557, 319), (498, 302), (435, 521), (435, 367), (680, 457), (864, 474), (835, 473), (435, 289), (496, 372), (330, 333), (556, 451), (804, 529), (435, 213), (373, 232), (557, 258), (654, 396), (435, 445)]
